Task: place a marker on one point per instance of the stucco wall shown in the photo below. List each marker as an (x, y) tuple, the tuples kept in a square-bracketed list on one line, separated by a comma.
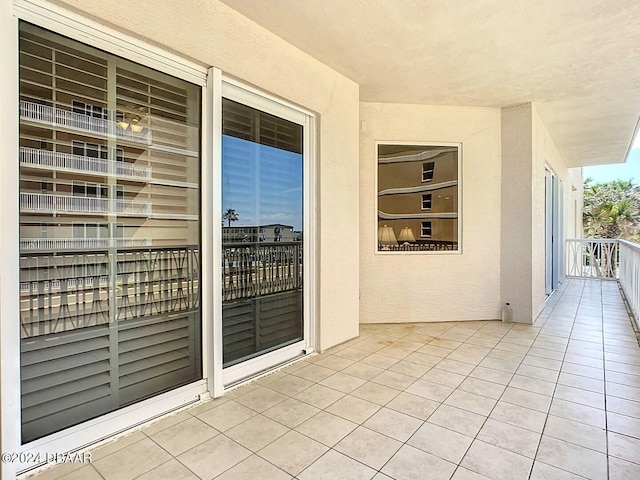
[(527, 151), (215, 35), (424, 287), (574, 203), (516, 211)]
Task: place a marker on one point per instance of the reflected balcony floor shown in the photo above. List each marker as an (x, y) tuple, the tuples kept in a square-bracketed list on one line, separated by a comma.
[(466, 401)]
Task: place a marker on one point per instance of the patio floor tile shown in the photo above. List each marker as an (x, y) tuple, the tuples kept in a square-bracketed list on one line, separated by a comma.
[(557, 400)]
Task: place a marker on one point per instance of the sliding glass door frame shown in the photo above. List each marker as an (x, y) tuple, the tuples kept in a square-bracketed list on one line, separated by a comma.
[(229, 376), (214, 377), (76, 27)]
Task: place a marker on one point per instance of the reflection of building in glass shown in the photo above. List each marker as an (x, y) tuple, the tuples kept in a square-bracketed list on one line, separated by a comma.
[(261, 233), (108, 153), (109, 232), (418, 190)]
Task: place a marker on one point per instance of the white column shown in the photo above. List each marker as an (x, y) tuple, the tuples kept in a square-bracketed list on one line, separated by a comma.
[(516, 232)]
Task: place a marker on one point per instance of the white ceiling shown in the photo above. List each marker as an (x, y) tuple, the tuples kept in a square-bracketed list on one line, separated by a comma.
[(577, 60)]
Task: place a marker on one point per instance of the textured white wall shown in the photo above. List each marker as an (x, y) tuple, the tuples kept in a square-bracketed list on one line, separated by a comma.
[(527, 151), (432, 288), (574, 196), (213, 34), (516, 211)]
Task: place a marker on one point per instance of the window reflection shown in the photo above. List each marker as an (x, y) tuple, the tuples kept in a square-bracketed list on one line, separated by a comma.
[(262, 199), (418, 188)]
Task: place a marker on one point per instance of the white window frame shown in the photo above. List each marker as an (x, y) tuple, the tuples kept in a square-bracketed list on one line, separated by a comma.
[(427, 173), (100, 187), (89, 109), (77, 27), (427, 198), (426, 224), (85, 146), (242, 93)]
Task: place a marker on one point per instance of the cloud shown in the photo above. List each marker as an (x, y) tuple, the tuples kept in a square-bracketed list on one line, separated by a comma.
[(636, 143)]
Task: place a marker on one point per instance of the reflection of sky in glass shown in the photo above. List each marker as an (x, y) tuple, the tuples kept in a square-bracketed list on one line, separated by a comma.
[(262, 184)]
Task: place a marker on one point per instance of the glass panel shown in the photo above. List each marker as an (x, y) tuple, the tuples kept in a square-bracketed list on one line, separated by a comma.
[(262, 198), (418, 208), (109, 169)]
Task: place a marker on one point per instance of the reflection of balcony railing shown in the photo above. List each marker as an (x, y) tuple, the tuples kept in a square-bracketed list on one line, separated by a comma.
[(76, 243), (59, 117), (67, 161), (253, 269), (434, 246), (44, 202), (128, 207), (75, 286), (129, 170)]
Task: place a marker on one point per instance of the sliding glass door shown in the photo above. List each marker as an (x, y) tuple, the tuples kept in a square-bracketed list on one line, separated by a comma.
[(263, 203), (109, 232)]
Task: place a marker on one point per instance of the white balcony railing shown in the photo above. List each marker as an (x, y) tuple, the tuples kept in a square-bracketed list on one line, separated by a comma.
[(592, 258), (128, 207), (630, 275), (607, 259), (66, 161), (81, 243), (59, 117), (124, 169), (45, 202)]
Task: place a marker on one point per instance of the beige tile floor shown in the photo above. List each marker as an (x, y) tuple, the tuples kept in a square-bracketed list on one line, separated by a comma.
[(464, 401)]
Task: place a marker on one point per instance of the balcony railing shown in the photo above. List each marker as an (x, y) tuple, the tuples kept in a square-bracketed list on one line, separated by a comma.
[(252, 269), (434, 246), (629, 276), (45, 202), (80, 243), (607, 259), (592, 258), (66, 161), (75, 289), (59, 117), (128, 207)]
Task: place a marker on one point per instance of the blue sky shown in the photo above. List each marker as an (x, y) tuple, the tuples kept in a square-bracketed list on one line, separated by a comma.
[(620, 171), (261, 183)]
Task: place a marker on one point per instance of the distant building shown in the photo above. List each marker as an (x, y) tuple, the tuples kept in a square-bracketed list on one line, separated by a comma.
[(275, 232)]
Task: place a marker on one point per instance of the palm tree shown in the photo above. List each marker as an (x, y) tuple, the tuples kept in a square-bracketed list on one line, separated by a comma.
[(612, 210), (230, 215)]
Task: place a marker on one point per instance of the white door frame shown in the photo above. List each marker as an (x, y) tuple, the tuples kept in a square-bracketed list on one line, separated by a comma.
[(237, 91), (79, 28)]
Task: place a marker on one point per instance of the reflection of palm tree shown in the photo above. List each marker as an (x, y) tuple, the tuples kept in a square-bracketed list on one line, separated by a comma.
[(230, 215)]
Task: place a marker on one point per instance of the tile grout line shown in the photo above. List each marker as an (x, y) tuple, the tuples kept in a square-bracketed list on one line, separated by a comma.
[(557, 379), (604, 386)]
